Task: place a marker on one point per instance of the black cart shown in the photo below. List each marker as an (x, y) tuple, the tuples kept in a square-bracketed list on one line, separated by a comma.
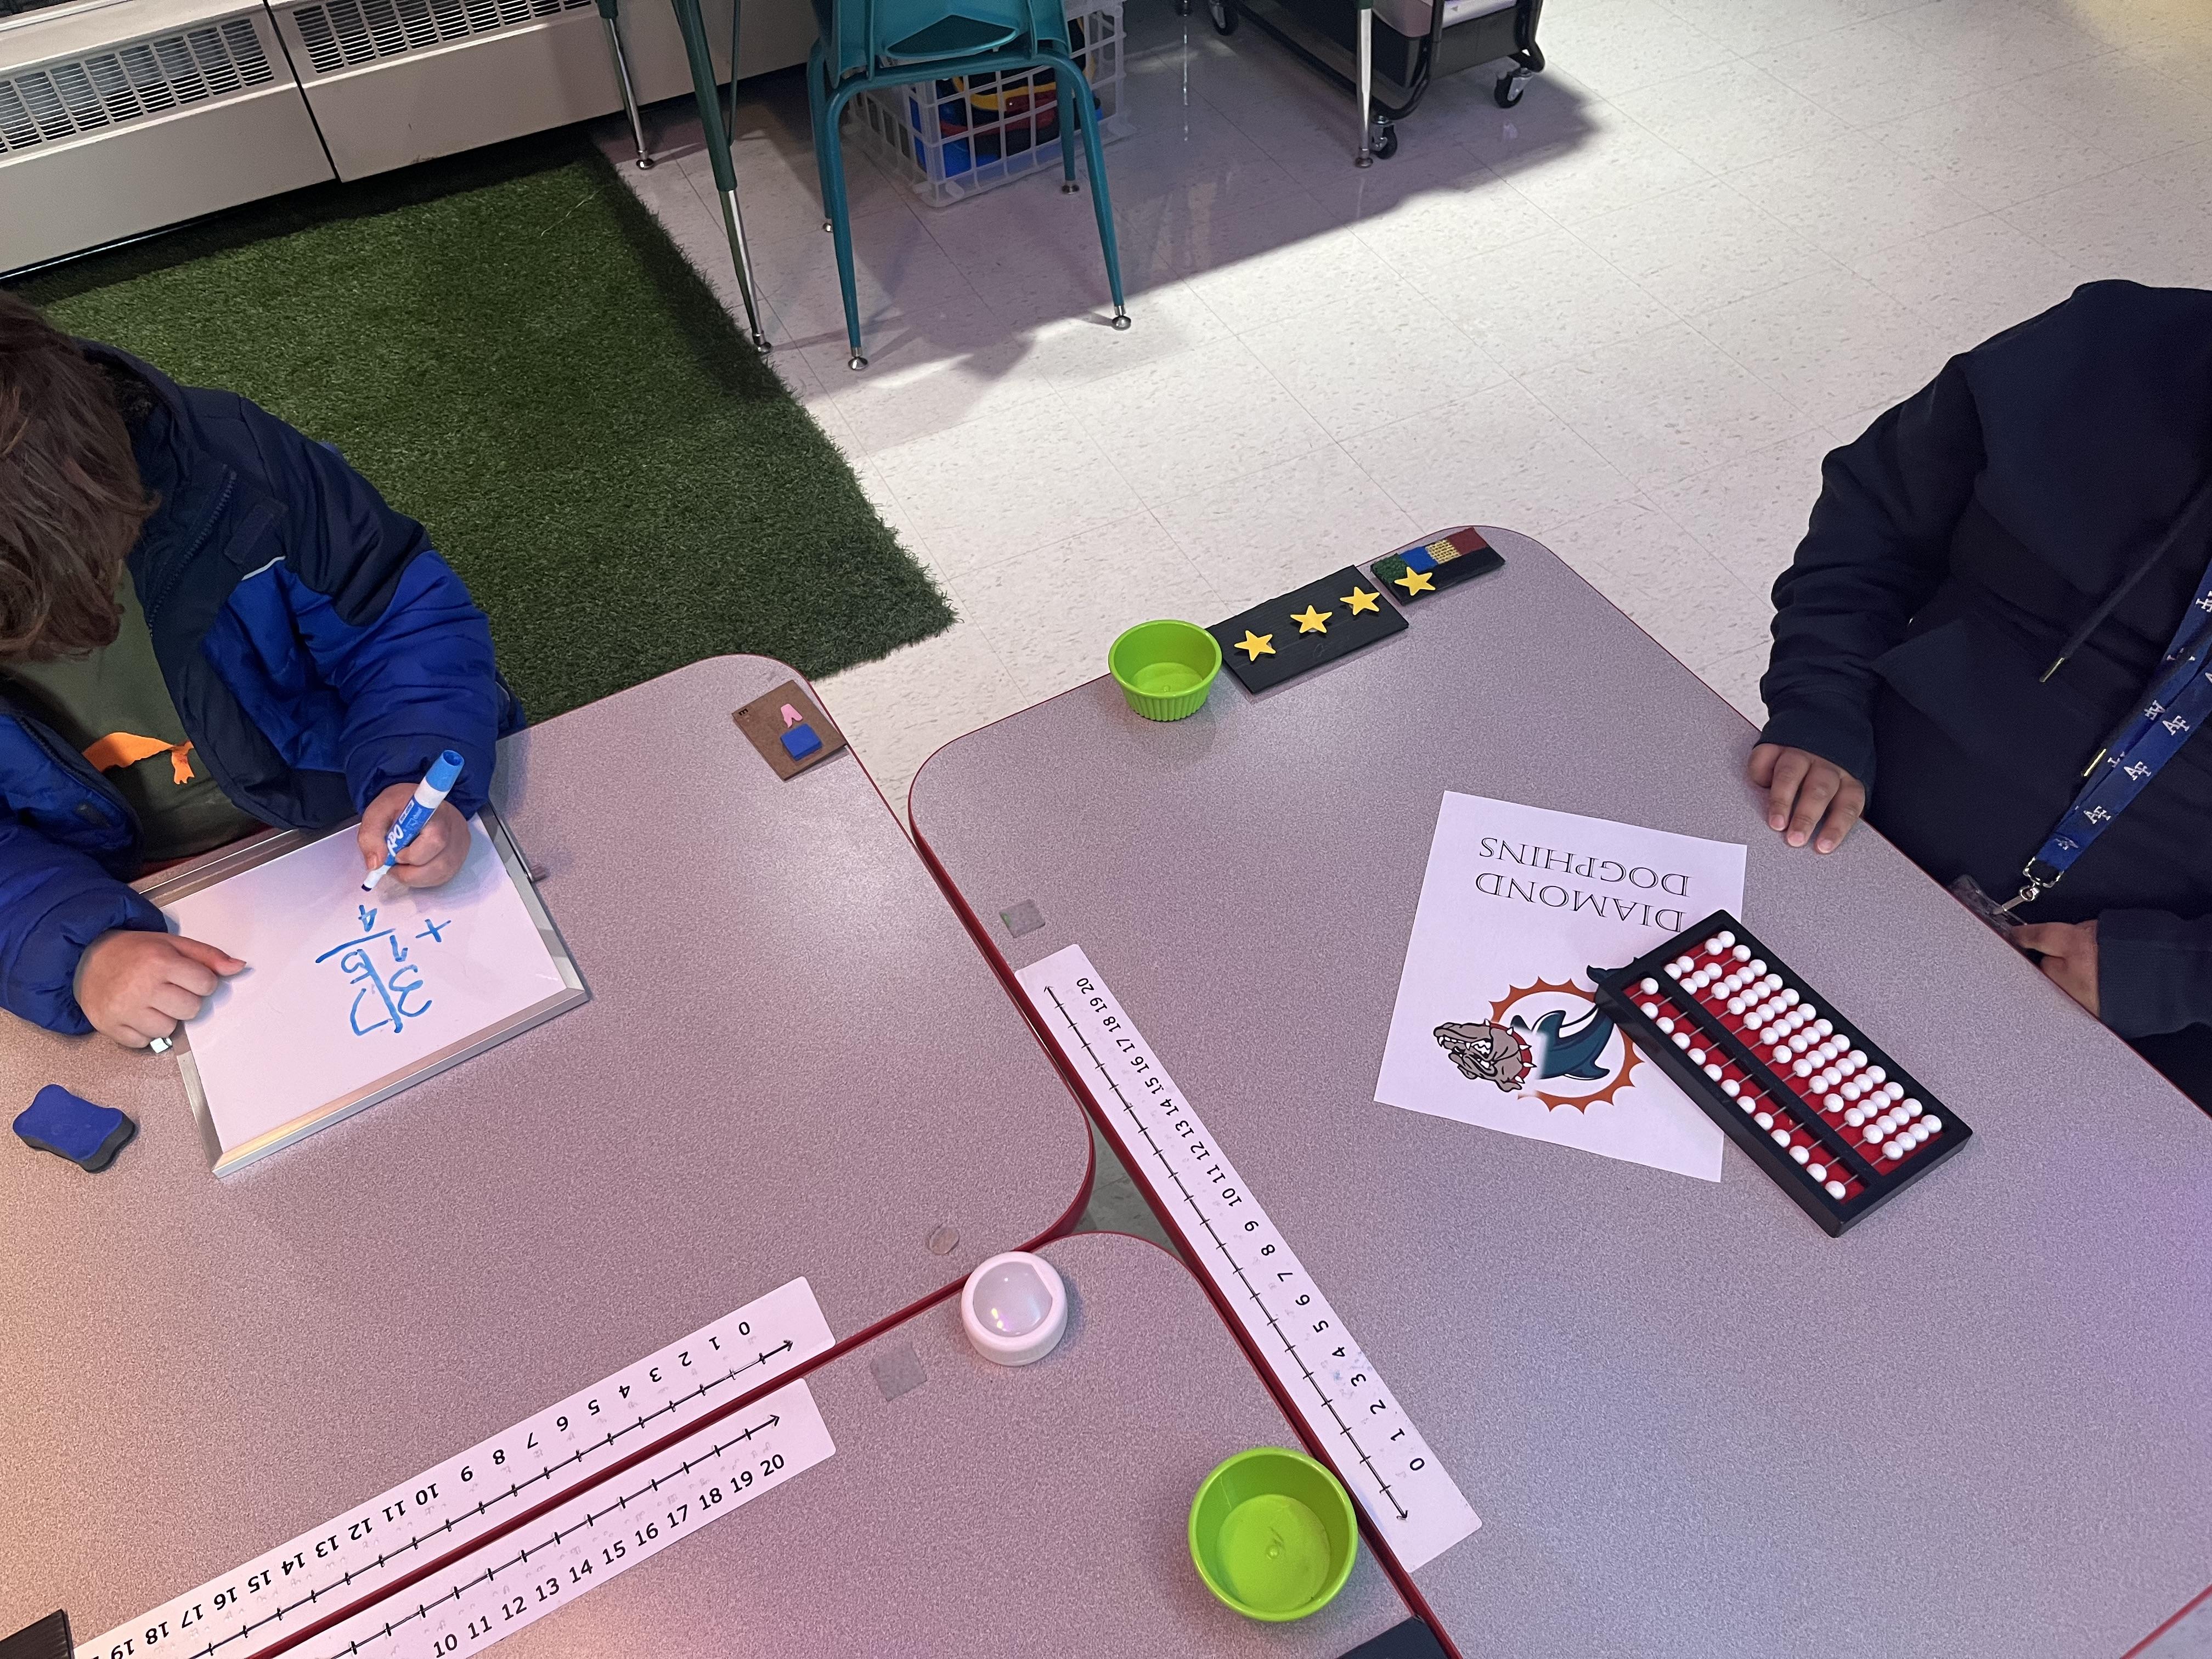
[(1385, 52)]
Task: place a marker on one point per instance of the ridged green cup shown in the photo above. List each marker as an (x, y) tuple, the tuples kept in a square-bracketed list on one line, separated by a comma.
[(1165, 668), (1273, 1534)]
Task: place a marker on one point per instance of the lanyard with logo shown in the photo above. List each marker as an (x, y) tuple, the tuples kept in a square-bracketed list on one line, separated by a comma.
[(2176, 702)]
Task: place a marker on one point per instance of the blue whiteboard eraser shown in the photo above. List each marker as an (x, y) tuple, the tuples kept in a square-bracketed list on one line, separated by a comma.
[(69, 1127)]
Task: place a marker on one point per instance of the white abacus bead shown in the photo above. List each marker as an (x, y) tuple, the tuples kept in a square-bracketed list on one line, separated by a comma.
[(1798, 1042), (1851, 1091), (1731, 1086), (1673, 970), (1781, 1052), (1652, 1009), (1833, 1104), (1790, 996), (1801, 1154), (1798, 1018), (1836, 1189), (1829, 1078), (1741, 953), (1818, 1171), (1713, 1071), (1713, 946), (1726, 938), (1681, 1039), (1666, 1024), (1912, 1105), (1774, 981), (1782, 1137), (1698, 1057), (1749, 1102), (1918, 1133), (1858, 1057), (1764, 1119), (1756, 966), (1736, 1005), (1649, 986), (1874, 1132), (1875, 1075), (1934, 1124), (1803, 1068), (1825, 1026), (1895, 1090), (1855, 1117), (1898, 1148)]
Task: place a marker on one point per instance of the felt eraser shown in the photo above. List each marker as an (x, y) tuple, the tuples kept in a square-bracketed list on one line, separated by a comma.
[(800, 741), (62, 1123)]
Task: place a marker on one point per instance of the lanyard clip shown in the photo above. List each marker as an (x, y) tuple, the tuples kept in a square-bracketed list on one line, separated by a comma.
[(2038, 878)]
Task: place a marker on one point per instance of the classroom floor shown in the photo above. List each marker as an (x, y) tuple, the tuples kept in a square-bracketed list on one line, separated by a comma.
[(1627, 317)]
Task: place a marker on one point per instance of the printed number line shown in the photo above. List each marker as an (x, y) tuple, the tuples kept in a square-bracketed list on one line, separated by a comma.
[(490, 1536), (592, 1518), (1205, 1221)]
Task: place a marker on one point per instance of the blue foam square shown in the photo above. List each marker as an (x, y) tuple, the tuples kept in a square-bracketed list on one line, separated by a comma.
[(800, 741), (1418, 559), (70, 1127)]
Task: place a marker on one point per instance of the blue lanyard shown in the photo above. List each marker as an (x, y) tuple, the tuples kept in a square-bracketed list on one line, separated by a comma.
[(2176, 702)]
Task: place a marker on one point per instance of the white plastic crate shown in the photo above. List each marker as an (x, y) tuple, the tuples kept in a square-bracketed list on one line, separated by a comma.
[(951, 138)]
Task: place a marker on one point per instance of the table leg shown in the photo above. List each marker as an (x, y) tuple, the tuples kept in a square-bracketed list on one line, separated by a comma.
[(709, 103), (1365, 155), (607, 9)]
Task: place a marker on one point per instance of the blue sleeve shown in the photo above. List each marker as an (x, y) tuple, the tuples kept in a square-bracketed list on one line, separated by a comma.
[(391, 629), (53, 902), (2153, 971), (1876, 551)]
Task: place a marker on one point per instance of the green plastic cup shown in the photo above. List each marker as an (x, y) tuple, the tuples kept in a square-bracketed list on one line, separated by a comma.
[(1165, 668), (1272, 1533)]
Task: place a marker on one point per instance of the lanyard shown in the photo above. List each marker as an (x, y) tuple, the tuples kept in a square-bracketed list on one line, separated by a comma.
[(2176, 702)]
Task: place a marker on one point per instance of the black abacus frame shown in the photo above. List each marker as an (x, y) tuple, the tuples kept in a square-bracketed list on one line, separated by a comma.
[(1616, 996)]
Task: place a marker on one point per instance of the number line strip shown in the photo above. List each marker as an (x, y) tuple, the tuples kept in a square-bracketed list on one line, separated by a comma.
[(1290, 1348)]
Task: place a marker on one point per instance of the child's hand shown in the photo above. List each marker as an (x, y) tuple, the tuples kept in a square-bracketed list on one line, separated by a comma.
[(2069, 950), (1807, 798), (433, 857), (138, 986)]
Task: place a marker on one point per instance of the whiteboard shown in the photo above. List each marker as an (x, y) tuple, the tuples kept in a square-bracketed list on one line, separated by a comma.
[(348, 997)]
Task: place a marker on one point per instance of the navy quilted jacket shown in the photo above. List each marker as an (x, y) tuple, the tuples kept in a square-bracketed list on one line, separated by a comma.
[(317, 650)]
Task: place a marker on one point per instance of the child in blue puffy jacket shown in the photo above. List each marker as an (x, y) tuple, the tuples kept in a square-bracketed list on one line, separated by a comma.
[(209, 623)]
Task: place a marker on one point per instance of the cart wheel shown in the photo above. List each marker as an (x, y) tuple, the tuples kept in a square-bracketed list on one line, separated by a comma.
[(1224, 16), (1507, 92), (1383, 140)]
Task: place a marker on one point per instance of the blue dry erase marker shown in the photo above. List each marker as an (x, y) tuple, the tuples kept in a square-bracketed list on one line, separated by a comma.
[(429, 795)]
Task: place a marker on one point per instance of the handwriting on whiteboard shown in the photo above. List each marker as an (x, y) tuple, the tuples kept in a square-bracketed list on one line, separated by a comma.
[(388, 971)]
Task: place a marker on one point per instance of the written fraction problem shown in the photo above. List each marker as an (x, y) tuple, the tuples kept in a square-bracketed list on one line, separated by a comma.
[(1408, 1495), (523, 1522)]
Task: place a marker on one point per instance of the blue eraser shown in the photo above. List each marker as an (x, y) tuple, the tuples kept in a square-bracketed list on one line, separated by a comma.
[(60, 1122), (800, 741), (1419, 558)]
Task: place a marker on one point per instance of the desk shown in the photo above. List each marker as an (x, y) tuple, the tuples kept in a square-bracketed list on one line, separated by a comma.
[(795, 1062), (1692, 1425), (1066, 1483)]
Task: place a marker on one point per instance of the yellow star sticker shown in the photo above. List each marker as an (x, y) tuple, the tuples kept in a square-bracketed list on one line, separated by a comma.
[(1310, 621), (1360, 599), (1415, 581), (1256, 646)]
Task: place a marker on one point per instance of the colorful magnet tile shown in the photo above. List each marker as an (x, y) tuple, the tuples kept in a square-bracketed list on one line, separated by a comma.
[(789, 729), (1307, 627), (1436, 563), (70, 1127)]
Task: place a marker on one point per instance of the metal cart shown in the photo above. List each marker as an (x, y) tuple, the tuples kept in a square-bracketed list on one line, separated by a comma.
[(1386, 61)]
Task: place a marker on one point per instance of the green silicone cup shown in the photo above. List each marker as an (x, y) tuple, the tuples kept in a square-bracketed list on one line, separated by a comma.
[(1273, 1534), (1165, 668)]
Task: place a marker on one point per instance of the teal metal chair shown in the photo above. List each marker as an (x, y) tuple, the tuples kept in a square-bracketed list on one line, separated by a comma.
[(867, 45)]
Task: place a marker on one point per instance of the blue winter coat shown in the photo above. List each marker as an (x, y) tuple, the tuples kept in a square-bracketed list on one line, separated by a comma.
[(317, 650)]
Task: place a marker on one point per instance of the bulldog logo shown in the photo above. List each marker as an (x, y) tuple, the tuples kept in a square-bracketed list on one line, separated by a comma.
[(1568, 1044)]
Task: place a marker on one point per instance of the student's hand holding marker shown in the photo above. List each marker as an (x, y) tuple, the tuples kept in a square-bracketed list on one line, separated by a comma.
[(136, 987), (410, 830)]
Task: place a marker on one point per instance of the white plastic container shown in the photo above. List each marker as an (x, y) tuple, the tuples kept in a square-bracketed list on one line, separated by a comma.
[(950, 139)]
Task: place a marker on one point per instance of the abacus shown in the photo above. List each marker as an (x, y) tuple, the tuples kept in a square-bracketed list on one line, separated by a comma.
[(1837, 1123)]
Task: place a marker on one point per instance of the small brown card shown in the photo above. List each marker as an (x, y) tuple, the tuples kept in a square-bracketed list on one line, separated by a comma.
[(789, 729)]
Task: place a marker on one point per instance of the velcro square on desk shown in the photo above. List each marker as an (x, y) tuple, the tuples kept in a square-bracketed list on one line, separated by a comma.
[(1435, 562), (789, 729), (1307, 627)]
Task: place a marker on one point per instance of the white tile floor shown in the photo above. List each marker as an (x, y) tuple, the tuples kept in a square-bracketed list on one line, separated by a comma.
[(1628, 317)]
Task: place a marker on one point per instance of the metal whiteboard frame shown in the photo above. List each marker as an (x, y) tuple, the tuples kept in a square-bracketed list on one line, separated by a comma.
[(176, 883)]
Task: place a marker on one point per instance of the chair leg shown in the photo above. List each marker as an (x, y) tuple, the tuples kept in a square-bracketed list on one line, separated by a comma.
[(832, 161), (607, 10), (1101, 204), (1066, 95), (707, 98), (816, 75)]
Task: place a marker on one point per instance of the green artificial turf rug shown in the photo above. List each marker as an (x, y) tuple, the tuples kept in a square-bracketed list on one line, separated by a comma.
[(508, 346)]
